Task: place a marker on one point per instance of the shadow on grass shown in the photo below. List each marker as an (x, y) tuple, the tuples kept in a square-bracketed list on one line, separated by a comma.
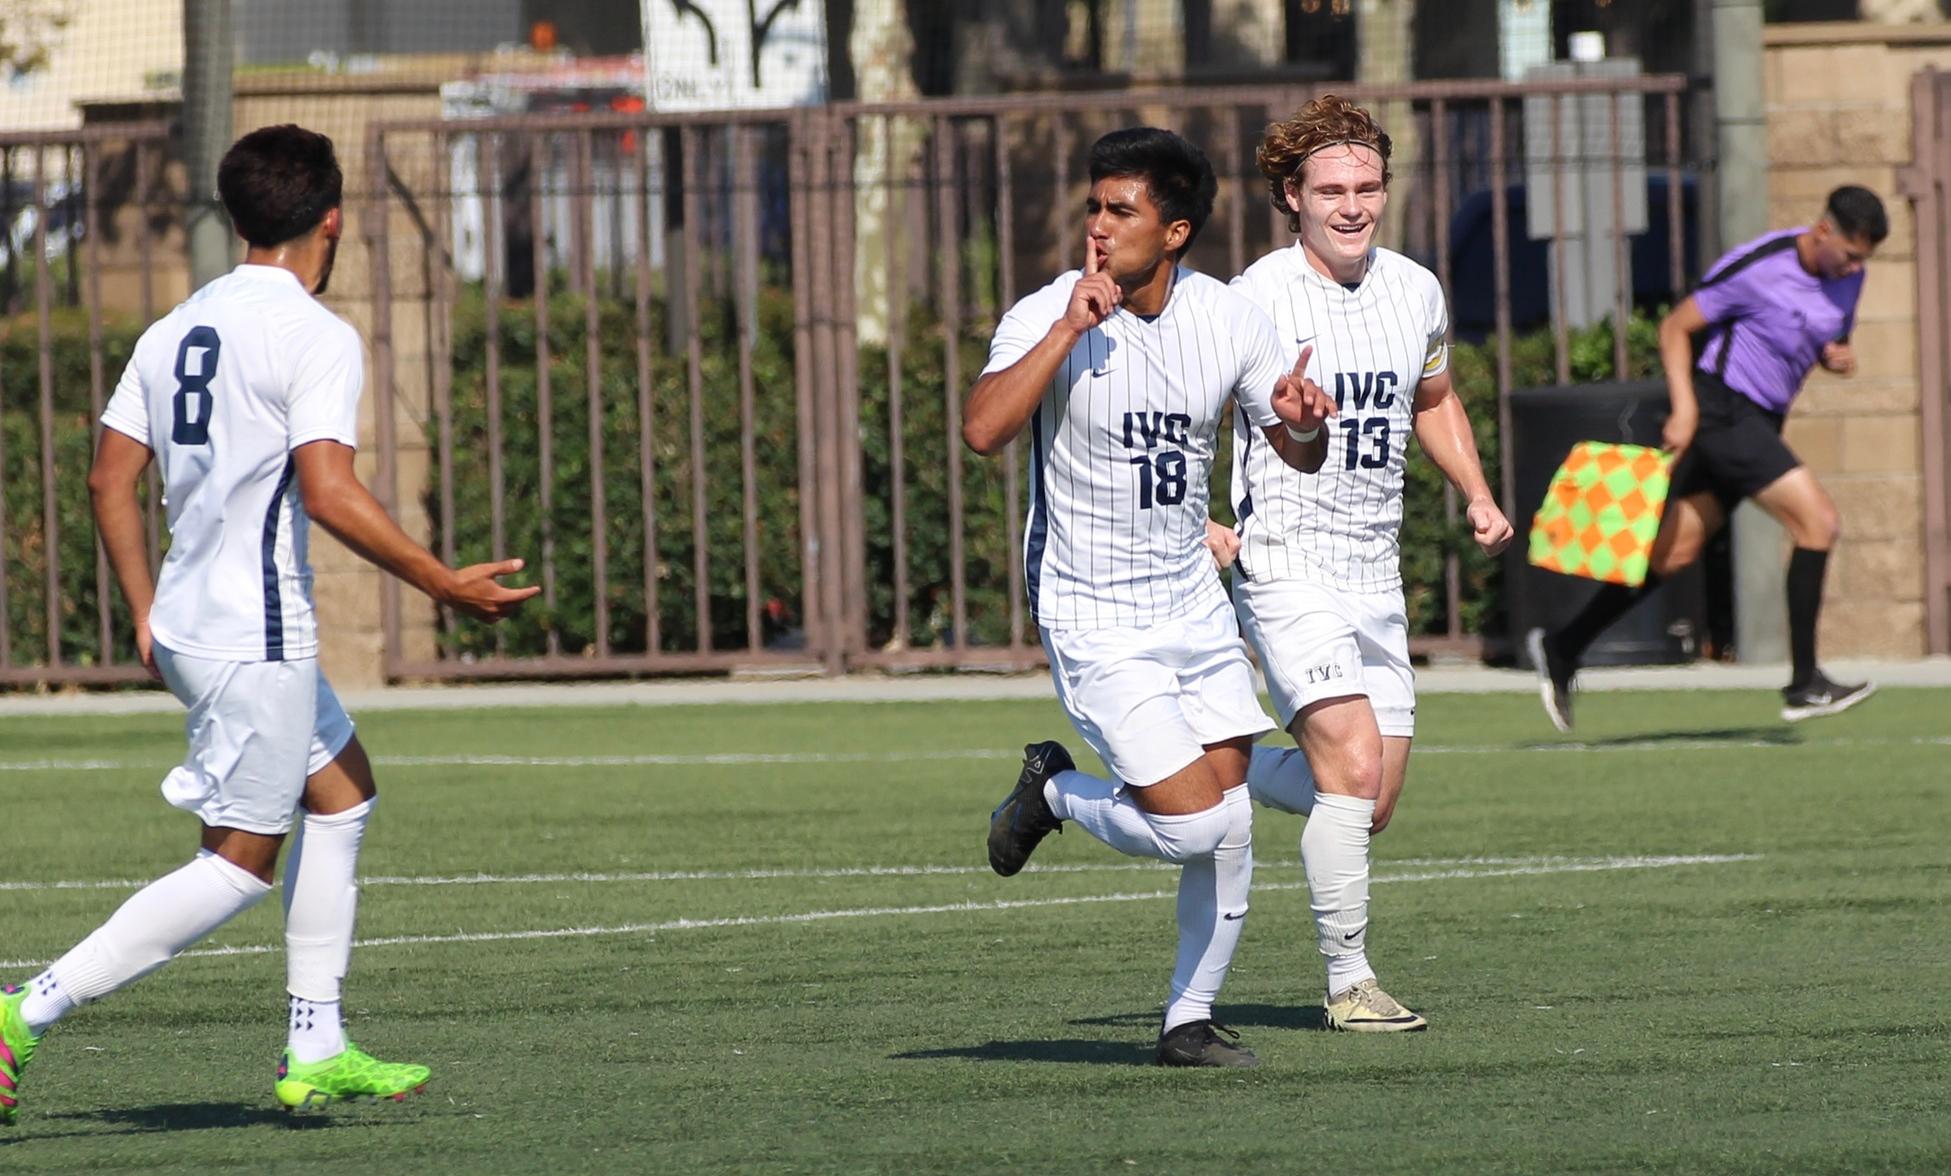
[(1774, 735), (1088, 1053), (1259, 1016), (210, 1116)]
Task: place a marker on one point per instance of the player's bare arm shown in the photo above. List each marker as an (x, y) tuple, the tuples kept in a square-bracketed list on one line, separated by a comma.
[(1443, 430), (1677, 330), (1303, 408), (119, 462), (1001, 402), (336, 500)]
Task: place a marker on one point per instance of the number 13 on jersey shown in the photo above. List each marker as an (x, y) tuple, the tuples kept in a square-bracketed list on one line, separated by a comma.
[(196, 366)]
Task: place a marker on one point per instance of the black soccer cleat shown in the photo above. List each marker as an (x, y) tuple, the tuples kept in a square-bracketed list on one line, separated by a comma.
[(1554, 679), (1819, 696), (1204, 1043), (1024, 818)]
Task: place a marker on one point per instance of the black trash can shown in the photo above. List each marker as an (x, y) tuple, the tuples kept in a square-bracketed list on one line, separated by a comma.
[(1663, 629)]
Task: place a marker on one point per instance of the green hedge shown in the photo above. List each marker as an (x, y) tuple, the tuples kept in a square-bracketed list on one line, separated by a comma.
[(26, 550)]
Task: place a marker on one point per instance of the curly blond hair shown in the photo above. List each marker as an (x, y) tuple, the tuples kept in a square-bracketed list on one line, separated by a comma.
[(1325, 122)]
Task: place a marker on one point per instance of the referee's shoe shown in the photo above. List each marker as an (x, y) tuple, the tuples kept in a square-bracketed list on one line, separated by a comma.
[(1819, 696)]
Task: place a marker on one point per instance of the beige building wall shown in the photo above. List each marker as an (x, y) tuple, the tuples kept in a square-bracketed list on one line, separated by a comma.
[(112, 49), (1838, 101)]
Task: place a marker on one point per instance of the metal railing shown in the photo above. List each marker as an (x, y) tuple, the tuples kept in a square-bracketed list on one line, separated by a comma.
[(76, 207), (701, 529)]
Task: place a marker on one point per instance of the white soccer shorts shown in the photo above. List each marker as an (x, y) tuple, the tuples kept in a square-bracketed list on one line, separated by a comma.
[(1317, 642), (1149, 700), (257, 731)]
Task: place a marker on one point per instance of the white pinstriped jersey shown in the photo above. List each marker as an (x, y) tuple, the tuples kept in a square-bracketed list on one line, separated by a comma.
[(222, 389), (1372, 345), (1121, 449)]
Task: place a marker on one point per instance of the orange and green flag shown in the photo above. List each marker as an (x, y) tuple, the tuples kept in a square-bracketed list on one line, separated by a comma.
[(1601, 513)]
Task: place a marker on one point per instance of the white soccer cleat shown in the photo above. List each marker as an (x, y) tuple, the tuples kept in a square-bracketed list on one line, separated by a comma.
[(1365, 1008)]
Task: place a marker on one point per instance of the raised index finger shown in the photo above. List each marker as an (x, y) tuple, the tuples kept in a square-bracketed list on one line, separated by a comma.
[(1300, 365)]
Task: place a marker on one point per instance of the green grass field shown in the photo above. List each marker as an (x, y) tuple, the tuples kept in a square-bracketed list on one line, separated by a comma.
[(742, 938)]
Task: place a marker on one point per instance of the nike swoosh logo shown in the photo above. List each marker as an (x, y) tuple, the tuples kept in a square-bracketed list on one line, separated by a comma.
[(1351, 937), (1305, 342), (1234, 918)]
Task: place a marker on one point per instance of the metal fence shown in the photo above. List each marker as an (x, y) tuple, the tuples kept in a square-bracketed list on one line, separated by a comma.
[(616, 310), (80, 212)]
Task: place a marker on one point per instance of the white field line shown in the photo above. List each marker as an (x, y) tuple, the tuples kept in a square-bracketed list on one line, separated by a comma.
[(763, 874), (1436, 875), (787, 758)]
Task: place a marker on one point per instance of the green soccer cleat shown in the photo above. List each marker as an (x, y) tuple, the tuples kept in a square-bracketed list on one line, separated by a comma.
[(16, 1050), (352, 1074)]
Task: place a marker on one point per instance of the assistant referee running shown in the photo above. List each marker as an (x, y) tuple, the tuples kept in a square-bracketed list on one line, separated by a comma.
[(1772, 310)]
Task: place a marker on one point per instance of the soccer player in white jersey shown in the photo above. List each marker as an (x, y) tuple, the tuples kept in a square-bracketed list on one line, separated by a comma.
[(247, 397), (1317, 579), (1121, 372)]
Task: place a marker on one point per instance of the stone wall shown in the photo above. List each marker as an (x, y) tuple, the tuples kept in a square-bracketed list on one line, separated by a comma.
[(1838, 102)]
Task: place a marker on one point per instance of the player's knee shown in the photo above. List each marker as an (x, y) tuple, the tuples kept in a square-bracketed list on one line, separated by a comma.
[(1357, 772), (1184, 837), (1827, 527)]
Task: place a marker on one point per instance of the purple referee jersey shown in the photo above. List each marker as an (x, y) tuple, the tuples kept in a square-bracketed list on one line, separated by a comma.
[(1768, 318)]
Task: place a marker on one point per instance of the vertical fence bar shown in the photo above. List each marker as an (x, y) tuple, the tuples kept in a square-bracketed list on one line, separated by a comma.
[(145, 183), (951, 313), (693, 147), (6, 567), (1439, 117), (43, 312), (599, 521), (494, 266), (1242, 189), (828, 446), (799, 185), (1675, 232), (1013, 455), (897, 337), (1561, 347), (380, 251), (1622, 272), (846, 369), (91, 229), (1062, 212), (441, 342), (646, 391), (538, 164), (745, 289), (1500, 244)]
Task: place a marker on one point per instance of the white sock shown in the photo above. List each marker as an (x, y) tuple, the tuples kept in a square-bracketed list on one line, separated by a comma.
[(317, 1032), (321, 901), (1101, 810), (157, 922), (46, 1003), (1212, 912), (1334, 851), (1280, 778), (1346, 971)]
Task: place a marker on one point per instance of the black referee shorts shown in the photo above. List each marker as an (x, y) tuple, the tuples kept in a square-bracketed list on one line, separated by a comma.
[(1737, 450)]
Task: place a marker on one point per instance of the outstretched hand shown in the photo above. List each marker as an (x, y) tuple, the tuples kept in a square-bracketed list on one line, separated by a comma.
[(476, 593), (1299, 401), (1096, 296)]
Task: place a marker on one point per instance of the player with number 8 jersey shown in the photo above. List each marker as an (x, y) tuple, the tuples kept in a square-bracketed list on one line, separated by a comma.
[(247, 397)]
